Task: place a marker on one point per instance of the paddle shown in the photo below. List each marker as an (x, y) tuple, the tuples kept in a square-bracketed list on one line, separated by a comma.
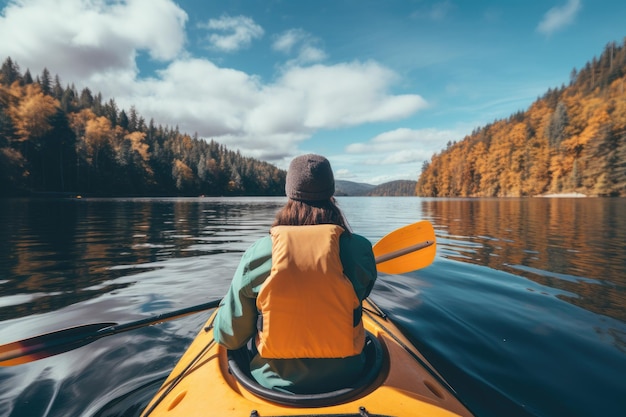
[(60, 341), (406, 249), (395, 253)]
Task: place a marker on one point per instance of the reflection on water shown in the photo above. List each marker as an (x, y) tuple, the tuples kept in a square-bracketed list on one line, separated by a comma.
[(58, 252), (523, 311), (574, 245)]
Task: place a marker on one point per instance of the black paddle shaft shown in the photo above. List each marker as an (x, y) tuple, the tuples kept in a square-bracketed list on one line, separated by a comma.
[(60, 341)]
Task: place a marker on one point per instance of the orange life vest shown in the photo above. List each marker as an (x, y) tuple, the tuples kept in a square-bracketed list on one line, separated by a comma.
[(309, 307)]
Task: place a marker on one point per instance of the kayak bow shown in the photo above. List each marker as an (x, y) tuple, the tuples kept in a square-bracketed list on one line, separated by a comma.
[(209, 380)]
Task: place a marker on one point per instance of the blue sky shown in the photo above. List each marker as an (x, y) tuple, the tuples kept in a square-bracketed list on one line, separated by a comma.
[(375, 86)]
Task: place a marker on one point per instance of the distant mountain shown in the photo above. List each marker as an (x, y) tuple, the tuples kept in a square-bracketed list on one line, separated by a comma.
[(398, 188), (349, 188), (388, 189)]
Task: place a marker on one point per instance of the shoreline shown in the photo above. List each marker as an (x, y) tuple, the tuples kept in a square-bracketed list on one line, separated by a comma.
[(562, 195)]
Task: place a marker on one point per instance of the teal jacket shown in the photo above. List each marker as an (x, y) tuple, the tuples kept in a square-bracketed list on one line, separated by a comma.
[(236, 319)]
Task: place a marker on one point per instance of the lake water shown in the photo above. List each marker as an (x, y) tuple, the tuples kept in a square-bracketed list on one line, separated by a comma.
[(523, 310)]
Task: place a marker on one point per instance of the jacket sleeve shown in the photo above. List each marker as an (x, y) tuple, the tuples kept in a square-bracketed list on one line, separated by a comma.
[(359, 264), (236, 318)]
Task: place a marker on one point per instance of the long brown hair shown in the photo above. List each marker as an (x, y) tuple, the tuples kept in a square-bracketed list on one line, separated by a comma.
[(305, 213)]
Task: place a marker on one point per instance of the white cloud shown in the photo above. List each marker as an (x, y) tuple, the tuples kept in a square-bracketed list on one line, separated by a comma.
[(309, 54), (301, 44), (393, 155), (346, 94), (238, 110), (558, 17), (234, 33), (95, 44), (287, 41), (213, 108), (79, 39), (416, 144)]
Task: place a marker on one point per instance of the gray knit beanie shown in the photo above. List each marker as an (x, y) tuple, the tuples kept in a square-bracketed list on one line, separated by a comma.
[(310, 178)]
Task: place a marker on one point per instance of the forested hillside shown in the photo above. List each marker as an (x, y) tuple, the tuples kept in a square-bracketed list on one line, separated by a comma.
[(56, 139), (350, 188), (573, 139), (398, 188)]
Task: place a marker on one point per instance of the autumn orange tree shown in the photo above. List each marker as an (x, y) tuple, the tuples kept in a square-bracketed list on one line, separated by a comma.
[(56, 139), (573, 139)]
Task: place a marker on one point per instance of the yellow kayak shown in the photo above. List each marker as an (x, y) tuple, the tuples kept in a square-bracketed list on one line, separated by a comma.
[(211, 381)]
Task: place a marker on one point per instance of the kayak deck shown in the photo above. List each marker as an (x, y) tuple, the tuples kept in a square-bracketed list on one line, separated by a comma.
[(202, 383)]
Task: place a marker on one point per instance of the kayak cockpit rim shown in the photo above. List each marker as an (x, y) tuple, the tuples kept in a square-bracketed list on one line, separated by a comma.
[(239, 368)]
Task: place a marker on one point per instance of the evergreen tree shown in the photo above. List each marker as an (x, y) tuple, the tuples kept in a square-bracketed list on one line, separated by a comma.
[(558, 123), (86, 99), (7, 129), (123, 120), (28, 79), (68, 100), (9, 72), (132, 119), (110, 111), (57, 90), (45, 82)]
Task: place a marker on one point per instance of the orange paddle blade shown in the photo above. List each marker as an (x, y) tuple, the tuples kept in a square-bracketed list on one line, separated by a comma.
[(406, 249)]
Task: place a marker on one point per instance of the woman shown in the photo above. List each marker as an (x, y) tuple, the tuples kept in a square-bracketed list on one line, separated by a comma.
[(296, 295)]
